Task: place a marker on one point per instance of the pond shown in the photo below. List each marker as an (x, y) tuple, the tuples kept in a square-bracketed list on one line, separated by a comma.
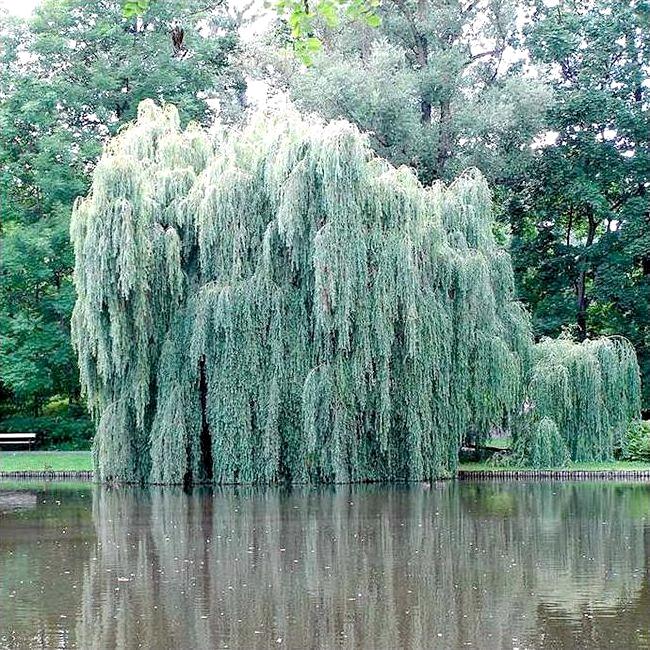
[(454, 565)]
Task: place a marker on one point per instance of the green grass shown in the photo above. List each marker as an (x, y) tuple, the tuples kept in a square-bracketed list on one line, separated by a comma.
[(616, 465), (70, 461), (499, 443), (41, 461)]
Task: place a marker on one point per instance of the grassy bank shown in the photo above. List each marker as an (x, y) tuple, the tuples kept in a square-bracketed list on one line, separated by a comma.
[(45, 461), (81, 461), (614, 466)]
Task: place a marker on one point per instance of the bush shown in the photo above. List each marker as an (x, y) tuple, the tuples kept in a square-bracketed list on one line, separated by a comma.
[(637, 442), (53, 431)]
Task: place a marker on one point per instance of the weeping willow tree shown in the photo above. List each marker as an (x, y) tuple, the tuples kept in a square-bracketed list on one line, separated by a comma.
[(581, 400), (277, 303), (280, 304)]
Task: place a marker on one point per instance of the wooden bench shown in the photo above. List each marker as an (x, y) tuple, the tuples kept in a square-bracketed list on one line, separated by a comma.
[(18, 439)]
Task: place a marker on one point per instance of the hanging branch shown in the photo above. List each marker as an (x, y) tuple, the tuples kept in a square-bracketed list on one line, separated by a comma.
[(283, 306)]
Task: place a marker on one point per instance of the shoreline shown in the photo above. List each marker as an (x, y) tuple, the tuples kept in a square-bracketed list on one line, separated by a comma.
[(553, 474), (462, 475), (47, 475)]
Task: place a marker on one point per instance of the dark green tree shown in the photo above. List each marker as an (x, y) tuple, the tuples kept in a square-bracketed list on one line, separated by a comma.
[(580, 217), (70, 77)]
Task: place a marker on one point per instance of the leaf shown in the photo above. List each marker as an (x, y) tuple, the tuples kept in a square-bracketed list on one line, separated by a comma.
[(313, 44), (373, 20), (132, 8), (329, 13)]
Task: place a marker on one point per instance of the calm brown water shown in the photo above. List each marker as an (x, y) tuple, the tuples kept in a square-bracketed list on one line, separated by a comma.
[(478, 565)]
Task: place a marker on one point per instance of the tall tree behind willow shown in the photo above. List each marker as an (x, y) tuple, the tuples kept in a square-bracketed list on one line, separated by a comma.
[(70, 77), (581, 216), (439, 85)]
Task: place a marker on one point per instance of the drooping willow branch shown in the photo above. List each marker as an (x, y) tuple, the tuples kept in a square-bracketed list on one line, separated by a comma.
[(279, 304), (582, 398)]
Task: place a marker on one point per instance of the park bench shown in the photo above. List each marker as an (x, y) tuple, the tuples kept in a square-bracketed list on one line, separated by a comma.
[(18, 439)]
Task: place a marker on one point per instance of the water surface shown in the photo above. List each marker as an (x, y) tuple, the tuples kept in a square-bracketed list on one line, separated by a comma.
[(457, 565)]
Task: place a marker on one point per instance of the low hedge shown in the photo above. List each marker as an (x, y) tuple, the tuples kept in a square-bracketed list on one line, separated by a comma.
[(53, 431)]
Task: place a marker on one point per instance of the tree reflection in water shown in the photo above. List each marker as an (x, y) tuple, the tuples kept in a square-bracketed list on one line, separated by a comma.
[(483, 565)]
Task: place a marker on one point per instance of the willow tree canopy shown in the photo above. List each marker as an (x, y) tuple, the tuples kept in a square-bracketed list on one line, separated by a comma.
[(582, 400), (277, 303)]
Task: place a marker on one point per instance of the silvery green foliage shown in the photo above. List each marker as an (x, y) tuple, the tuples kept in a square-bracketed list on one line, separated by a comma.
[(587, 393), (540, 445), (278, 303)]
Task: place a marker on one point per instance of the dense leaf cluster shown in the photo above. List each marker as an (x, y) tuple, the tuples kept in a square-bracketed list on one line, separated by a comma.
[(287, 306), (582, 399), (70, 76), (550, 102), (281, 304)]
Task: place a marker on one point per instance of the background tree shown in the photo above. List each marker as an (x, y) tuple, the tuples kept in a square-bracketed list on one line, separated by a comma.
[(581, 215), (70, 77), (438, 84)]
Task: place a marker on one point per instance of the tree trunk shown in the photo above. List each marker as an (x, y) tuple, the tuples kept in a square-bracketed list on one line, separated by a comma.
[(425, 111), (645, 259), (444, 141), (423, 60), (206, 438), (581, 317), (581, 282), (421, 55)]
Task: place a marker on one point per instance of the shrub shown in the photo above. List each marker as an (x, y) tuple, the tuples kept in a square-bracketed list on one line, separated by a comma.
[(53, 431), (590, 391), (540, 446), (636, 445)]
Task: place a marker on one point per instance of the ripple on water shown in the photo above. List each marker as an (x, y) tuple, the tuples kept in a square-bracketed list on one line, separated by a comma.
[(483, 565)]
